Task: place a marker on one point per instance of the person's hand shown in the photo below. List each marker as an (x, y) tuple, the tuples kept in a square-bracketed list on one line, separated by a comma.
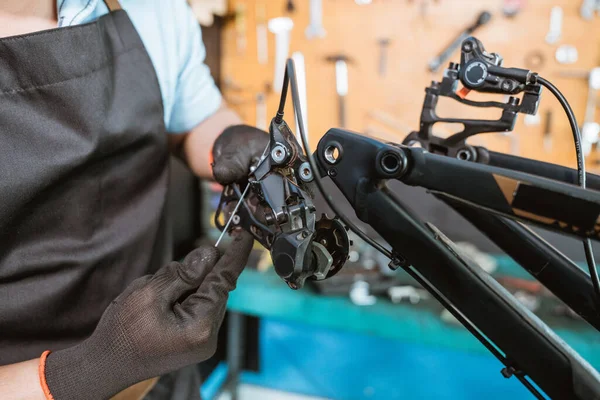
[(235, 150), (159, 324)]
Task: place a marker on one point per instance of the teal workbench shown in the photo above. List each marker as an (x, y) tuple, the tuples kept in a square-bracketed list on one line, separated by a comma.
[(265, 295), (329, 347)]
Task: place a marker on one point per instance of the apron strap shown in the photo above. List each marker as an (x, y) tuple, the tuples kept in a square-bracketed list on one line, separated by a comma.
[(113, 5)]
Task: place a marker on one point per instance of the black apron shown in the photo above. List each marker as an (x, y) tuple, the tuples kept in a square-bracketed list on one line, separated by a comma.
[(83, 164)]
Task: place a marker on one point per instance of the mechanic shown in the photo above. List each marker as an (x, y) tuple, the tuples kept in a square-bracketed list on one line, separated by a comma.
[(84, 113)]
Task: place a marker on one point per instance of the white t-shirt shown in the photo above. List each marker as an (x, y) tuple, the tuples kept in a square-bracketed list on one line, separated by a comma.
[(172, 37)]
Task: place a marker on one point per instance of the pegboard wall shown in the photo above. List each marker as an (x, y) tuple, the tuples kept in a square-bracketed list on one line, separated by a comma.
[(389, 106)]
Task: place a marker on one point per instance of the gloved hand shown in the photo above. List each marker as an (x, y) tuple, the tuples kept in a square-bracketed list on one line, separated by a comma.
[(235, 150), (159, 324)]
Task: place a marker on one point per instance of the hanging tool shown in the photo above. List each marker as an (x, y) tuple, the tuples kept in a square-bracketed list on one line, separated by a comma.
[(589, 8), (383, 50), (262, 48), (566, 54), (482, 19), (341, 84), (240, 28), (555, 29), (315, 28), (548, 132), (590, 129), (298, 58), (281, 27)]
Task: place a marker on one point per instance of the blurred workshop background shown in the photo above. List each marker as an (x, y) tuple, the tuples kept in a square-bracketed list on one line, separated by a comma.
[(370, 333)]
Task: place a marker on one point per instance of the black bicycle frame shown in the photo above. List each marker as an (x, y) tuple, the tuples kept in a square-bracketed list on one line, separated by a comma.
[(543, 261), (360, 170)]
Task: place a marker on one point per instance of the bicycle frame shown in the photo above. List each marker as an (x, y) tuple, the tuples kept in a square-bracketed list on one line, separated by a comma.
[(527, 347)]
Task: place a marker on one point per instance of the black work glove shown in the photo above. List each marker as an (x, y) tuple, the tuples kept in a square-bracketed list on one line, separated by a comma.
[(159, 324), (235, 150)]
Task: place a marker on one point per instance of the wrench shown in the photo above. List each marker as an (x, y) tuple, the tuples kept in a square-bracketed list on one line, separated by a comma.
[(436, 62), (315, 28)]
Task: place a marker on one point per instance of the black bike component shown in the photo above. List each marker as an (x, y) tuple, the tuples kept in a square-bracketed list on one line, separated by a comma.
[(577, 294), (533, 167), (538, 257), (581, 177), (290, 75), (482, 72), (331, 233), (516, 332), (247, 214), (554, 205), (279, 212)]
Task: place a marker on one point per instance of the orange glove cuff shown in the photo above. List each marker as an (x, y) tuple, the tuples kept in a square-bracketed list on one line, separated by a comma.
[(42, 373)]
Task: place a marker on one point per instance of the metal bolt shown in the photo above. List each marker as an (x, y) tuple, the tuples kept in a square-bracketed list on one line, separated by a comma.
[(236, 219), (463, 154), (279, 154), (467, 46), (305, 172), (507, 85), (332, 172)]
